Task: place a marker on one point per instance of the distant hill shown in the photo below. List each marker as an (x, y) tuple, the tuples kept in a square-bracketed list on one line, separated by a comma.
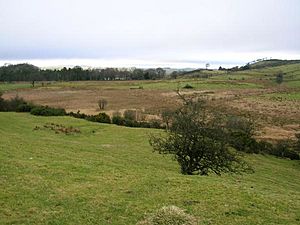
[(256, 65), (264, 69), (272, 63)]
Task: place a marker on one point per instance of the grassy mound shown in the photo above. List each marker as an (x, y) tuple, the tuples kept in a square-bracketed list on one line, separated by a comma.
[(169, 215)]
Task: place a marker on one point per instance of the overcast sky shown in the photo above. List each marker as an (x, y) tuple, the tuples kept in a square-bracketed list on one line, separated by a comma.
[(177, 33)]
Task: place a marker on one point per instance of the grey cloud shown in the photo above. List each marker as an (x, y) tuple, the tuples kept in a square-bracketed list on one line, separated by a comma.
[(160, 30)]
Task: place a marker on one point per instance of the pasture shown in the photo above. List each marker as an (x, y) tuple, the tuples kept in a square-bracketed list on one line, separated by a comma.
[(107, 174)]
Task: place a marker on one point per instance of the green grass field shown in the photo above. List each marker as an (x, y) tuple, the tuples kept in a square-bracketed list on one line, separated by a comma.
[(13, 86), (108, 175), (155, 85)]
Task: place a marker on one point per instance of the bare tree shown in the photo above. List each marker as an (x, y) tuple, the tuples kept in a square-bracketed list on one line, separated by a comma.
[(102, 103)]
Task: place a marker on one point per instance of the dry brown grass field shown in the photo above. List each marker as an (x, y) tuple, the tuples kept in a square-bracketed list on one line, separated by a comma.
[(275, 108)]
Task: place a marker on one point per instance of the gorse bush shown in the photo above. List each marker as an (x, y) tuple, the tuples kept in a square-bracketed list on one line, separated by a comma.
[(240, 133), (118, 120), (279, 78), (18, 104), (297, 143), (78, 115), (47, 111), (156, 124), (188, 86), (130, 114), (100, 118), (265, 147), (25, 107), (284, 149), (2, 102), (129, 121), (12, 104)]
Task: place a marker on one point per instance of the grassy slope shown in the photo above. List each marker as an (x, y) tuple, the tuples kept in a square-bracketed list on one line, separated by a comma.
[(272, 63), (109, 175), (291, 73)]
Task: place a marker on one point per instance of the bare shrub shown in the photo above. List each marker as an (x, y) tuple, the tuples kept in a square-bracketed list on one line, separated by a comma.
[(102, 103)]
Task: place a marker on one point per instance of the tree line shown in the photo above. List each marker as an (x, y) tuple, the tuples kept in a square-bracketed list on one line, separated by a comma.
[(28, 72)]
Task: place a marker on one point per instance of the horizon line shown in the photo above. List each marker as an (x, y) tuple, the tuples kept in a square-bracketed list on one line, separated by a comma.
[(129, 63)]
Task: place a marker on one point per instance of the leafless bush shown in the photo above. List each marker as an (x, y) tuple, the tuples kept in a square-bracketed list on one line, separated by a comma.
[(102, 103)]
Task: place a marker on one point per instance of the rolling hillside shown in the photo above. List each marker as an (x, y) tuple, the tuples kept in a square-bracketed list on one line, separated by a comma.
[(107, 174), (273, 63)]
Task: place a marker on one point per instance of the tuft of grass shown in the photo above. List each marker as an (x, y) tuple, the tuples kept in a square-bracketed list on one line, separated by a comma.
[(169, 215)]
